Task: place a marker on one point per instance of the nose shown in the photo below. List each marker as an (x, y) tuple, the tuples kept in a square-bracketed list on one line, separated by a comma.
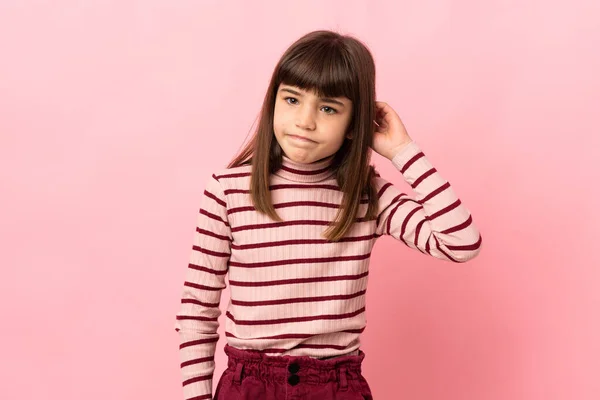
[(305, 119)]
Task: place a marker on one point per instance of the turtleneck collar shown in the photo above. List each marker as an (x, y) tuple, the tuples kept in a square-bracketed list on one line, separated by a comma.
[(306, 173)]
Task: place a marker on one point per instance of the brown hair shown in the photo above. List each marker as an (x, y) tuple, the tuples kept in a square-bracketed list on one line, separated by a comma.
[(331, 65)]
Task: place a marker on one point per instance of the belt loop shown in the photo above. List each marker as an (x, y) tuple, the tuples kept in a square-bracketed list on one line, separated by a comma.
[(237, 377), (343, 380)]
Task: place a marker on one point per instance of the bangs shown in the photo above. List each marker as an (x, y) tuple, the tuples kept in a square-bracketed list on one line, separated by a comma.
[(323, 69)]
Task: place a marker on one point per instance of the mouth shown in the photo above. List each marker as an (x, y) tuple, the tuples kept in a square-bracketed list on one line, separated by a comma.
[(301, 138)]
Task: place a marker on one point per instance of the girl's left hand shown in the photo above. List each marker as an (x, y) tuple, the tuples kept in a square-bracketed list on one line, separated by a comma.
[(390, 135)]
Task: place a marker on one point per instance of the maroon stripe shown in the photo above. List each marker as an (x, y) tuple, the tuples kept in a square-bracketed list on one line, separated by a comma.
[(265, 351), (285, 205), (445, 210), (209, 233), (361, 330), (197, 361), (210, 252), (411, 162), (195, 318), (300, 241), (286, 186), (205, 269), (197, 379), (197, 286), (249, 173), (391, 216), (198, 342), (199, 303), (405, 222), (215, 198), (435, 193), (236, 191), (459, 227), (295, 335), (473, 246), (320, 346), (296, 300), (302, 172), (437, 244), (291, 204), (279, 224), (388, 227), (300, 280), (383, 189), (234, 175), (288, 336), (304, 186), (295, 319), (423, 177), (299, 261), (404, 200), (418, 230), (213, 216), (291, 223)]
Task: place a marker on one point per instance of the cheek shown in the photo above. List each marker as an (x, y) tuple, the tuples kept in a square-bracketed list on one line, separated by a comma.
[(277, 125), (279, 120), (275, 118), (340, 127)]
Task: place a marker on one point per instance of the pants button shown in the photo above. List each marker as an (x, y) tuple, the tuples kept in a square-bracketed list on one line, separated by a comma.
[(293, 380), (293, 368)]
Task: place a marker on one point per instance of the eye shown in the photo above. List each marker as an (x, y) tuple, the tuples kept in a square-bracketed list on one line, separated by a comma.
[(329, 110), (290, 100)]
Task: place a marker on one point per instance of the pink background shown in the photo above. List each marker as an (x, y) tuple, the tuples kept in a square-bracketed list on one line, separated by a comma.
[(114, 113)]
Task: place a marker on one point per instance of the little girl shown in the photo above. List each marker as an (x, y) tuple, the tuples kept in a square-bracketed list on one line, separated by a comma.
[(292, 222)]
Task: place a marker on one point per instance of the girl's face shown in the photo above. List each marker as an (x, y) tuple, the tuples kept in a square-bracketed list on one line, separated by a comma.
[(307, 127)]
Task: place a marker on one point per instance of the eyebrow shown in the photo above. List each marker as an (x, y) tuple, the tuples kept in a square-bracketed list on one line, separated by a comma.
[(326, 99)]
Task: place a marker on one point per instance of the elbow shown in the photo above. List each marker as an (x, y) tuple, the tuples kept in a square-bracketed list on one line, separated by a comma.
[(469, 252)]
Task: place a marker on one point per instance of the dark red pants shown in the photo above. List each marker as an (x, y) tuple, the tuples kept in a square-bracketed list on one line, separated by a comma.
[(255, 376)]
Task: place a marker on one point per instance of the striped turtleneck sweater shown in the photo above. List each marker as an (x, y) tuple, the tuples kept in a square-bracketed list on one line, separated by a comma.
[(292, 292)]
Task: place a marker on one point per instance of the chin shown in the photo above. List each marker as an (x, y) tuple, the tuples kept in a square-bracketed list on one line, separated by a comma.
[(301, 159)]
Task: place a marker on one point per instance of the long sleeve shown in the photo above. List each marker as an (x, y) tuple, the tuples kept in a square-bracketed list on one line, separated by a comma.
[(434, 220), (205, 278)]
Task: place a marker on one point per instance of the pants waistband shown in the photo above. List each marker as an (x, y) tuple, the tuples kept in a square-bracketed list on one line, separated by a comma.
[(289, 368)]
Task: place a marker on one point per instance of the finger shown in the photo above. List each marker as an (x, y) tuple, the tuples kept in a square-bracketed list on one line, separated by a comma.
[(384, 110), (381, 104)]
